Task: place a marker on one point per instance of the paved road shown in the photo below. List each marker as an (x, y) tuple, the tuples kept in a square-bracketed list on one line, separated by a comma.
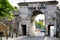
[(36, 38)]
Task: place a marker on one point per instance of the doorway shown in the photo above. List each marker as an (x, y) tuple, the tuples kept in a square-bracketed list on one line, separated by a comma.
[(50, 30), (1, 34), (23, 30)]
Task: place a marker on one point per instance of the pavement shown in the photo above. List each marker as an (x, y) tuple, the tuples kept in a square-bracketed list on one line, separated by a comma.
[(30, 38), (34, 38), (40, 34)]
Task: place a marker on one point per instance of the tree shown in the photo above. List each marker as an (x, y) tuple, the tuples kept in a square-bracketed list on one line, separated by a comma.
[(6, 9)]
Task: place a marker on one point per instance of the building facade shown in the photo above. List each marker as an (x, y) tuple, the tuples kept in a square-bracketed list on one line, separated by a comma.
[(29, 10)]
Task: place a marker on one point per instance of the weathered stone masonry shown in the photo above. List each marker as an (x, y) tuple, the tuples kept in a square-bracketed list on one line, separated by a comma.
[(26, 10)]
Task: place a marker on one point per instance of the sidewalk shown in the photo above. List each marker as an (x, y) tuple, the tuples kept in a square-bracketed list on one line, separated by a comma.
[(4, 38), (9, 38), (18, 38)]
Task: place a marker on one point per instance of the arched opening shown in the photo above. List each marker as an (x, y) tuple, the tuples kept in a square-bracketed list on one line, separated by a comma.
[(40, 24), (38, 21)]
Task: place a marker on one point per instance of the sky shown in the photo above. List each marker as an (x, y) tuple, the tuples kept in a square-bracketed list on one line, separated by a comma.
[(42, 17), (14, 2)]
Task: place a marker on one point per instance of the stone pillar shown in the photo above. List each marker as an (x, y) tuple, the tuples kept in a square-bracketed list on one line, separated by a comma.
[(20, 29)]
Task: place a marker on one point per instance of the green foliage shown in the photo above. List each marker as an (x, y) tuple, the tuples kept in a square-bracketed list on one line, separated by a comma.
[(11, 17), (39, 24), (5, 9), (36, 22)]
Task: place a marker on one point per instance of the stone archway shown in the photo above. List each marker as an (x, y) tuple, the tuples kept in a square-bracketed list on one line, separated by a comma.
[(34, 14)]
